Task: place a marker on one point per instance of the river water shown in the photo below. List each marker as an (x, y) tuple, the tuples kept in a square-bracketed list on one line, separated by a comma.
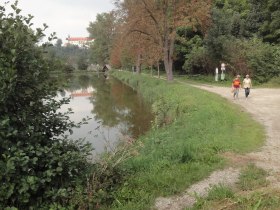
[(115, 109)]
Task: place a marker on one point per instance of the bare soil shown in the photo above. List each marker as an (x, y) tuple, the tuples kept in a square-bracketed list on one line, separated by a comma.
[(264, 106)]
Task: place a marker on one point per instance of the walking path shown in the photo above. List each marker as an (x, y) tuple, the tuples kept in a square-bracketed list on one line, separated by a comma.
[(264, 106)]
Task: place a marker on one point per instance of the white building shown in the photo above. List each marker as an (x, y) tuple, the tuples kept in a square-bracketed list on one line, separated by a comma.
[(79, 41)]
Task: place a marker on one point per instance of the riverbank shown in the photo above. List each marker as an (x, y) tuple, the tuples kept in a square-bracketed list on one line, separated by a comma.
[(192, 131)]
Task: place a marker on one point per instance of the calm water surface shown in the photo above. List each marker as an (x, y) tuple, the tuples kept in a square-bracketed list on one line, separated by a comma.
[(115, 109)]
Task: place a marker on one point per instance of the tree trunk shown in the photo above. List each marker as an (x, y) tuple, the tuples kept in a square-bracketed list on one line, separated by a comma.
[(169, 70), (168, 57), (138, 64), (158, 69)]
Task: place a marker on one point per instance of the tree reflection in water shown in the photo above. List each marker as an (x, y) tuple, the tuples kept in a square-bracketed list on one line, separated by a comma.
[(116, 109)]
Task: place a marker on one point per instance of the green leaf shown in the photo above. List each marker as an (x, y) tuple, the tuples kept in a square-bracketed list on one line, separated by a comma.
[(59, 169)]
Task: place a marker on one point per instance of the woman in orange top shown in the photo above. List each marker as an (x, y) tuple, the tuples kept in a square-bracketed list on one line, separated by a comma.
[(236, 85)]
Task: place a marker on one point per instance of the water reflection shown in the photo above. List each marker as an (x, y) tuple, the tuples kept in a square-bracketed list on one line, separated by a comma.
[(115, 110)]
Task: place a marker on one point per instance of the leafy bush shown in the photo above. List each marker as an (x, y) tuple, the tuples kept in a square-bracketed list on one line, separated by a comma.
[(39, 167), (198, 62), (259, 59), (68, 68), (263, 58)]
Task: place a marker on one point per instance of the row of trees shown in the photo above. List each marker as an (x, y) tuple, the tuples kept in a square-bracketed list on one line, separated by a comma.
[(193, 35), (68, 58)]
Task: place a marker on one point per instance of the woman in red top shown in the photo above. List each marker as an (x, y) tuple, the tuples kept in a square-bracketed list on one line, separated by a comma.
[(236, 85)]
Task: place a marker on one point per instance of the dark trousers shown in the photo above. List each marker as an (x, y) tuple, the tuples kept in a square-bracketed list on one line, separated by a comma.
[(247, 92)]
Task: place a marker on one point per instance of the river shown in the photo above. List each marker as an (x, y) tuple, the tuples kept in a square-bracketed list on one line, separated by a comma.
[(115, 110)]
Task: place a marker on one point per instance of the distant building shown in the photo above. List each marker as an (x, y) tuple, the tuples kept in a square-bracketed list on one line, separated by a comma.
[(88, 92), (79, 41)]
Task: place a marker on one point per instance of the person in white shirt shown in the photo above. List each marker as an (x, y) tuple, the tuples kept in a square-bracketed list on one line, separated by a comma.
[(247, 85)]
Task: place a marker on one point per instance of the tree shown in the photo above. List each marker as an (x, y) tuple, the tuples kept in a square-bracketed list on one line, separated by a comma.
[(158, 21), (58, 43), (39, 167), (103, 31), (270, 29), (256, 17), (229, 22), (82, 62), (115, 56)]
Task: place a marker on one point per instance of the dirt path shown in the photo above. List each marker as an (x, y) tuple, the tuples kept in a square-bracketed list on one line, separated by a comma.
[(264, 106)]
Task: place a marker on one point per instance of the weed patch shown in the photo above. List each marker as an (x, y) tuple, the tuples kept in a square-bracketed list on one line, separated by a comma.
[(252, 178)]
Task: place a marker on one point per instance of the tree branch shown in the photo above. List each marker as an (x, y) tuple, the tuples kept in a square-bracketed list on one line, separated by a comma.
[(153, 18)]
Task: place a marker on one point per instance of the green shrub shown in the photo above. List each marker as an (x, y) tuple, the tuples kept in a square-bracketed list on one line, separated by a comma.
[(254, 57), (39, 167), (198, 61)]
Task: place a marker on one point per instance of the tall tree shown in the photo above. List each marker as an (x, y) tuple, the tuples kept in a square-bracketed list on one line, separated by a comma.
[(58, 43), (158, 20), (270, 30), (103, 31)]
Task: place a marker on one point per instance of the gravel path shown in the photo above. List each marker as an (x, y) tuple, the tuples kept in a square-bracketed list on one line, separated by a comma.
[(226, 177), (264, 106)]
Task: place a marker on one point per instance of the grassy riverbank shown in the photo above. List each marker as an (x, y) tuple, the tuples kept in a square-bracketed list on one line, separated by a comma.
[(192, 130)]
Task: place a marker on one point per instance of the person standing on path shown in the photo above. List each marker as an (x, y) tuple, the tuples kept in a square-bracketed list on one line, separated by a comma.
[(236, 85), (247, 85)]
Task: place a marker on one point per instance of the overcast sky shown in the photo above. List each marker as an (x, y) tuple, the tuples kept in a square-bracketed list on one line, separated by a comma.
[(65, 17)]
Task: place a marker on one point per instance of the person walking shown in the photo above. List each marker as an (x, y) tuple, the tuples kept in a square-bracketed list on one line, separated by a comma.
[(236, 85), (247, 85)]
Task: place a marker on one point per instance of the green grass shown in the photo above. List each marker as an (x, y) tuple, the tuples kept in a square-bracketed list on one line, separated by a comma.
[(268, 199), (205, 79), (252, 192), (197, 127), (217, 193), (252, 178)]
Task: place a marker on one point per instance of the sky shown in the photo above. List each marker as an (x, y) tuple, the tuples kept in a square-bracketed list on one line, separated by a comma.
[(65, 17)]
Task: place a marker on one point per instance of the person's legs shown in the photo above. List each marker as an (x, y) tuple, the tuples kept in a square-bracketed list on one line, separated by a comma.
[(247, 92), (235, 93)]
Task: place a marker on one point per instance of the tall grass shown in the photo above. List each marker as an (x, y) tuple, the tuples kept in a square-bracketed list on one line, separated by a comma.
[(191, 130)]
